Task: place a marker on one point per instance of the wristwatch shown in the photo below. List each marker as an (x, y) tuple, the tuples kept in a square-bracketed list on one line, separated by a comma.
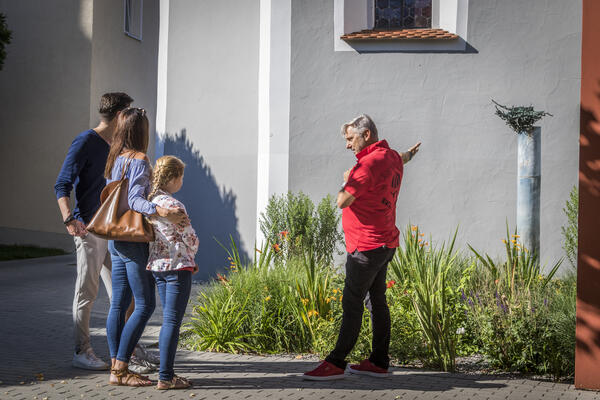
[(69, 219)]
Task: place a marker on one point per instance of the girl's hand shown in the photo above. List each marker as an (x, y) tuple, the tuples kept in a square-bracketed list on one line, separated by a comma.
[(195, 269)]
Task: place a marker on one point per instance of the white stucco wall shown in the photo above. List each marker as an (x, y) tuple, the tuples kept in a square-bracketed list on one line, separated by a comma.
[(465, 175), (63, 56), (211, 94), (123, 64), (45, 97)]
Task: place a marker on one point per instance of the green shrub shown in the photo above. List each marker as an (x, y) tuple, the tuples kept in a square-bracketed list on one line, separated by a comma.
[(5, 38), (532, 332), (569, 232), (18, 252), (286, 302), (441, 304), (426, 271), (519, 271), (292, 224)]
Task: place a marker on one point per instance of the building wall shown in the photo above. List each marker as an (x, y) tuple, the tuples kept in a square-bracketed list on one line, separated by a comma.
[(121, 63), (64, 55), (45, 97), (211, 118), (520, 53)]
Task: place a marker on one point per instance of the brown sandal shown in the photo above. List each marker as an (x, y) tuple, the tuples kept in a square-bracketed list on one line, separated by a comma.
[(128, 375), (178, 382)]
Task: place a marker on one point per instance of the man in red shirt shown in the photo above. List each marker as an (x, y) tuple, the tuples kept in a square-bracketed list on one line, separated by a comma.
[(368, 202)]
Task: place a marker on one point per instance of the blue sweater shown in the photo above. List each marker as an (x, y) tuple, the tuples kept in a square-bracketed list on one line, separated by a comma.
[(84, 168)]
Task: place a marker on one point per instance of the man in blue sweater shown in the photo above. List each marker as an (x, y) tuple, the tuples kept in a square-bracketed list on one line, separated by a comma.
[(83, 169)]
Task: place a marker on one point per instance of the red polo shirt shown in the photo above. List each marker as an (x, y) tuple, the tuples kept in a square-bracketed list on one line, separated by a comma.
[(370, 221)]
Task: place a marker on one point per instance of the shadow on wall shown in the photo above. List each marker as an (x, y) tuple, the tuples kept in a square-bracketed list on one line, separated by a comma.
[(211, 209), (588, 336)]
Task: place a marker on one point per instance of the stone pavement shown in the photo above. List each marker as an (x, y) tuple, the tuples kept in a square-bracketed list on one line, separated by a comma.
[(36, 351)]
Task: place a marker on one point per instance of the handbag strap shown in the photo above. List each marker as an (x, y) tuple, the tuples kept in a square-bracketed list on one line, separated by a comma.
[(126, 165)]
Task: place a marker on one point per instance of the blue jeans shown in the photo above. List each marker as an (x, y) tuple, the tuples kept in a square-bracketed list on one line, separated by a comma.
[(174, 290), (129, 277)]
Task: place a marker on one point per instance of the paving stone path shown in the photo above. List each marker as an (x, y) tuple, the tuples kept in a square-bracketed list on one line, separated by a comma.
[(36, 351)]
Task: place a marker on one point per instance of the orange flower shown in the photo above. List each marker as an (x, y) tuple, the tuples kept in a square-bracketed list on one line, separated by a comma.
[(276, 247), (414, 228), (391, 284), (221, 278), (284, 234), (496, 281)]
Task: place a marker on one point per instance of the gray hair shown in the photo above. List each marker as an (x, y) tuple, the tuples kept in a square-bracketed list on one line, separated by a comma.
[(361, 123)]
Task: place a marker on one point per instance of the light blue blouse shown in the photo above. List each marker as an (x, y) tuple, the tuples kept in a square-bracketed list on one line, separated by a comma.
[(138, 173)]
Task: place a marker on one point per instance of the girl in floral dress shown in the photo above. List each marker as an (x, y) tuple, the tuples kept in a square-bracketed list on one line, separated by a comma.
[(172, 264)]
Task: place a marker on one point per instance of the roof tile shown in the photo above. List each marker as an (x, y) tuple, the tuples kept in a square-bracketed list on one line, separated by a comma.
[(401, 34)]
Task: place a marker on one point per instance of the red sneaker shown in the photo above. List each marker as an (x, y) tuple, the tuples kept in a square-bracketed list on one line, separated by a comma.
[(326, 371), (366, 367)]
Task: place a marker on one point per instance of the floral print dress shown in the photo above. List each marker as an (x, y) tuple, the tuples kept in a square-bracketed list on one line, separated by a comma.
[(175, 245)]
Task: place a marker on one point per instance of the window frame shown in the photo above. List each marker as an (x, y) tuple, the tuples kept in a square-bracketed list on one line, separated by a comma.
[(125, 30)]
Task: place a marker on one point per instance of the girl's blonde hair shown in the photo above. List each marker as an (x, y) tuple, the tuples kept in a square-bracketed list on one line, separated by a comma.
[(166, 168)]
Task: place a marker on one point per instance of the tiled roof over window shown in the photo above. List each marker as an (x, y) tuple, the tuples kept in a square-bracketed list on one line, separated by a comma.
[(401, 34)]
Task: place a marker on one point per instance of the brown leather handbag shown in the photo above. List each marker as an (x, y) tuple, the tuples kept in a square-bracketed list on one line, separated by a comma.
[(114, 219)]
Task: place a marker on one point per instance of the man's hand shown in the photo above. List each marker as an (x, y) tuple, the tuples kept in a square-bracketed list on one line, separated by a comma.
[(406, 157), (76, 228), (347, 175)]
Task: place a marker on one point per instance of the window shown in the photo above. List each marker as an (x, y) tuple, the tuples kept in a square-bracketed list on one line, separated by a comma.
[(133, 18), (402, 14), (400, 25)]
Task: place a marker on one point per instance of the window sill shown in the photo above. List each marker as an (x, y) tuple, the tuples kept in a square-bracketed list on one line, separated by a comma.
[(400, 34)]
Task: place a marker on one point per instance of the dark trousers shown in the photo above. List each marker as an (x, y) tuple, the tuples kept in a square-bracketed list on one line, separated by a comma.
[(365, 275)]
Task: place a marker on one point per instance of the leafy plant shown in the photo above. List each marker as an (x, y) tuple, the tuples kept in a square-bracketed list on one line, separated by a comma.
[(314, 291), (520, 270), (441, 304), (569, 232), (428, 270), (5, 38), (533, 332), (291, 223), (519, 118), (217, 325)]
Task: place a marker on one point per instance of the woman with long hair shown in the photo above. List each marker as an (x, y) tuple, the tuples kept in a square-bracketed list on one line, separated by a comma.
[(129, 259)]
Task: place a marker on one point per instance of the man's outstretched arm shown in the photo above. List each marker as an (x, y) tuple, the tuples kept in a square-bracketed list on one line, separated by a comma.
[(408, 155)]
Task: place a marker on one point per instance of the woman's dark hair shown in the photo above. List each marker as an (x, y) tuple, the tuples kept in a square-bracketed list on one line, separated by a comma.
[(131, 134), (112, 103)]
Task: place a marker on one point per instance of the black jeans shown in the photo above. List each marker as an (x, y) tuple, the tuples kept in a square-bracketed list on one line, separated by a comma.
[(365, 275)]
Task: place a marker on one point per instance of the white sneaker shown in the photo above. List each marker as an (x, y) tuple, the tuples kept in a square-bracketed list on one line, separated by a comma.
[(142, 353), (140, 366), (89, 360)]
